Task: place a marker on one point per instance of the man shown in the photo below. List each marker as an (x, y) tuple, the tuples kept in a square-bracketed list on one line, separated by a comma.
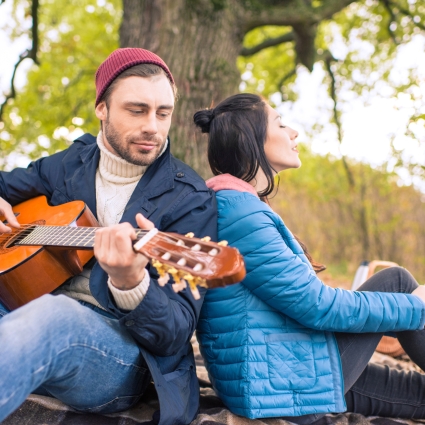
[(97, 348)]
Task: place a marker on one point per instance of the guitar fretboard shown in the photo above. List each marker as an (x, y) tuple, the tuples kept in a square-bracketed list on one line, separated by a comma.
[(64, 236)]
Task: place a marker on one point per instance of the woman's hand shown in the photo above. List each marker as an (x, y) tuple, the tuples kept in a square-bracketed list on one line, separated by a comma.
[(113, 248), (420, 292), (6, 211)]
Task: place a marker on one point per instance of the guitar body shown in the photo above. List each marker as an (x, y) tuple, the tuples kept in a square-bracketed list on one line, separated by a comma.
[(54, 243), (27, 272)]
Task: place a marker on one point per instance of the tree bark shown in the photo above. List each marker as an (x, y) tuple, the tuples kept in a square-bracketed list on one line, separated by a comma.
[(201, 55), (200, 41)]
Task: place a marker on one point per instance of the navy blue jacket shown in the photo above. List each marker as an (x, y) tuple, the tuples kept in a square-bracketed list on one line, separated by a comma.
[(175, 199)]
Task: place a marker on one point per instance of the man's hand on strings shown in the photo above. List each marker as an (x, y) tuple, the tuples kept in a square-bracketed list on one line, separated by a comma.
[(6, 211), (113, 248)]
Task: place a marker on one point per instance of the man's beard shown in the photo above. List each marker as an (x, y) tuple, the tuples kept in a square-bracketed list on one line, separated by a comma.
[(122, 147)]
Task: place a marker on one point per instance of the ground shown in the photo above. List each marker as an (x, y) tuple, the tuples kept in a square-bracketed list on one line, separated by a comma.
[(38, 410)]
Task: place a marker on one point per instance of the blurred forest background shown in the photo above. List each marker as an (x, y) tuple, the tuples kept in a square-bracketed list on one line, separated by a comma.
[(344, 210)]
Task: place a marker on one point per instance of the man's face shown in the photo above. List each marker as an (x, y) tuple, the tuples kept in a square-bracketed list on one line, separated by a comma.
[(136, 124)]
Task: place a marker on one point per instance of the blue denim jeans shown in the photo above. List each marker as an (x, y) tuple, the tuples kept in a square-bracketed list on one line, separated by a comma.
[(76, 353)]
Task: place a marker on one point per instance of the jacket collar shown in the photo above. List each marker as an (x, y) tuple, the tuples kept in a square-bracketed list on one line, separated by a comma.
[(229, 182), (158, 179)]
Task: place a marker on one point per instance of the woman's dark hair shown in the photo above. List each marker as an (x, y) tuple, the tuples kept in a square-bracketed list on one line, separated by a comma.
[(237, 129)]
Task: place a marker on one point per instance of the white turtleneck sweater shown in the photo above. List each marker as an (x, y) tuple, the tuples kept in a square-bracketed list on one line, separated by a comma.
[(116, 180)]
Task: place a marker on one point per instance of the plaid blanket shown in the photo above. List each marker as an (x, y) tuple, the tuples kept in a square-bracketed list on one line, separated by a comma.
[(39, 410)]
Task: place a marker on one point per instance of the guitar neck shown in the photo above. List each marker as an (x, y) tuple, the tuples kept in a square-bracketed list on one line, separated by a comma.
[(184, 257), (60, 236), (188, 260)]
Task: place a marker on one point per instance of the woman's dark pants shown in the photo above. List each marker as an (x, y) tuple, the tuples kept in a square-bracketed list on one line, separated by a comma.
[(377, 390)]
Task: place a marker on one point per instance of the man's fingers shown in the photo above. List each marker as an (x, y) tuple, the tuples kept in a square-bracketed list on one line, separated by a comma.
[(6, 211), (113, 249), (113, 243), (4, 228), (143, 222)]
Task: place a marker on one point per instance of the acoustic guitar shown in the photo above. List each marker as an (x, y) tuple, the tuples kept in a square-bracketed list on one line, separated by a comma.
[(56, 242)]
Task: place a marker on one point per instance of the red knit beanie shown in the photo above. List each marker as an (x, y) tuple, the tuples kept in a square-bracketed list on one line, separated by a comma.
[(120, 60)]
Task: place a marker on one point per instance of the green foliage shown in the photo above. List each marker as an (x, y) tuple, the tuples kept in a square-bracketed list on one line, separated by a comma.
[(218, 4), (341, 224), (363, 42), (319, 206), (57, 103), (361, 38), (265, 71)]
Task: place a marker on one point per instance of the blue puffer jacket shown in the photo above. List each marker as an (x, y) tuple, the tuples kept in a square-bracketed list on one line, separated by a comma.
[(268, 341)]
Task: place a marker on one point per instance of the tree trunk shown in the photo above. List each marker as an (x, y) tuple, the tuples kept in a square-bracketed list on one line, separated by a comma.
[(201, 55)]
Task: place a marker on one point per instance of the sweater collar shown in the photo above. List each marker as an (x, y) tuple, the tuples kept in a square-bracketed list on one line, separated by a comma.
[(229, 182), (113, 166)]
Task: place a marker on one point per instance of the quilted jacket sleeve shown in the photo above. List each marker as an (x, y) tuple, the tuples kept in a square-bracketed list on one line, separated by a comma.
[(279, 276)]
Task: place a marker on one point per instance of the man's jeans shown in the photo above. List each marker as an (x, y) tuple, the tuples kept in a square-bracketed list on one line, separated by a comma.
[(77, 353)]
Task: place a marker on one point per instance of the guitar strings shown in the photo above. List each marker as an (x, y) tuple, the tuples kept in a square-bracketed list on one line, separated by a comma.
[(86, 235), (80, 234), (26, 230)]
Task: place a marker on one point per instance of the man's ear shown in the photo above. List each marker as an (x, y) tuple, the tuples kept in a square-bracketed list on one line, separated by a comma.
[(101, 111)]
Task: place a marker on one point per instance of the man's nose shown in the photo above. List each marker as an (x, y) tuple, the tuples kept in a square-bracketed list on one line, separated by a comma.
[(150, 124)]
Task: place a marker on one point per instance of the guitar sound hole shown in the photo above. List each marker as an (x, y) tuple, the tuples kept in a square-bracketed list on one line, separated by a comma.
[(12, 241)]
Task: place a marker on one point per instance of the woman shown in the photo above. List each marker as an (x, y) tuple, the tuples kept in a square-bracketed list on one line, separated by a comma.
[(281, 343)]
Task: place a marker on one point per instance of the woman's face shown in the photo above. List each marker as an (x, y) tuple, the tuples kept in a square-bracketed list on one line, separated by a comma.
[(280, 147)]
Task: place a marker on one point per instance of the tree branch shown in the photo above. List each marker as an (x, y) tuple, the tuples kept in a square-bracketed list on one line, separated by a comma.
[(330, 7), (29, 53), (303, 17), (270, 42), (34, 30), (284, 78), (328, 62), (12, 93), (289, 14), (406, 12), (393, 18)]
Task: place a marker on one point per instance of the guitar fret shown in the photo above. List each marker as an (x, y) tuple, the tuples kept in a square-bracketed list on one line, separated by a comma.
[(89, 237), (60, 236), (71, 234), (31, 239), (79, 236), (66, 236), (53, 236)]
